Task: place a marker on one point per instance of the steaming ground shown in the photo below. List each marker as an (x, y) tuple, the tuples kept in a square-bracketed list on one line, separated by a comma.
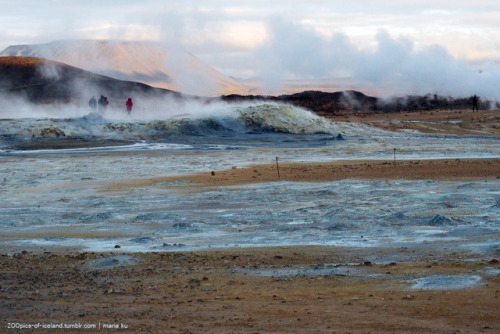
[(58, 198), (178, 123)]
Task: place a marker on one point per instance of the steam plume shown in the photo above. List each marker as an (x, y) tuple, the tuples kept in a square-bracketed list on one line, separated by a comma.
[(395, 66)]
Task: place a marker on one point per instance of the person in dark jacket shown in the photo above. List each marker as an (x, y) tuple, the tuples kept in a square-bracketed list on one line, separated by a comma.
[(475, 103), (93, 103), (100, 102)]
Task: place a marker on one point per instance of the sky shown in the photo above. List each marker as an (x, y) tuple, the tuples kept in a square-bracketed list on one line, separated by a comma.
[(449, 47)]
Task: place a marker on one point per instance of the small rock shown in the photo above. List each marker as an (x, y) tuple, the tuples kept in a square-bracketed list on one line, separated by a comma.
[(440, 220), (117, 246), (408, 297), (194, 281), (494, 261), (213, 173)]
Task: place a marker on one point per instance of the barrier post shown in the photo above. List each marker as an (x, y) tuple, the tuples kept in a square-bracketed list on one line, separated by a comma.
[(277, 167)]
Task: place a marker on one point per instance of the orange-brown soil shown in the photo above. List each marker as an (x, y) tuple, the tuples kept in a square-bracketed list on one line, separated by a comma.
[(446, 169), (218, 292), (441, 122)]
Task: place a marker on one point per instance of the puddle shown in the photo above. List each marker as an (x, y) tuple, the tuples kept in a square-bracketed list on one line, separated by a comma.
[(113, 261), (492, 271), (347, 269), (446, 282)]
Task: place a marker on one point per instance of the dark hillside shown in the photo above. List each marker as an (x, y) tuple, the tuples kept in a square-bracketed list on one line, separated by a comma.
[(352, 102), (321, 103), (44, 81)]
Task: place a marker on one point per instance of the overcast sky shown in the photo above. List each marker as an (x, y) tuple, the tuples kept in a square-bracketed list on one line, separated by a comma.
[(377, 41)]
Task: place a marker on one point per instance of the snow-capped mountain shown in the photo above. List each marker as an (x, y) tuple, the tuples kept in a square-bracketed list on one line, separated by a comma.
[(150, 63)]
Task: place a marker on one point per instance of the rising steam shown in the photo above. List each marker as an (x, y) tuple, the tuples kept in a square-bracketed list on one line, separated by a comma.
[(394, 66)]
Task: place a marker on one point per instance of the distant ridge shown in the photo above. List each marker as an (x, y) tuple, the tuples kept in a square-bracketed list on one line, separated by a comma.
[(351, 101), (150, 63), (322, 103)]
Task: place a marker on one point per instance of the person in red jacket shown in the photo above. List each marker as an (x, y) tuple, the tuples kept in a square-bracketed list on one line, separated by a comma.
[(129, 105)]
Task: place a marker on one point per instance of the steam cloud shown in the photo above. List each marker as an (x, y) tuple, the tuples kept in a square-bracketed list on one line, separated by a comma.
[(147, 107), (395, 66)]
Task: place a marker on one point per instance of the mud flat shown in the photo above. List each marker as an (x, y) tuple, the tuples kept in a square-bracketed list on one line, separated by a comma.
[(279, 289), (444, 203), (171, 241), (306, 289)]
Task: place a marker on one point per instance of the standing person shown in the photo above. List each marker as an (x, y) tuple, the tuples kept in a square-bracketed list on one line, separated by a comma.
[(101, 103), (105, 103), (92, 103), (129, 105), (475, 103)]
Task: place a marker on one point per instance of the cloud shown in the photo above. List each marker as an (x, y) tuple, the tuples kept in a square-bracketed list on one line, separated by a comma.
[(393, 65)]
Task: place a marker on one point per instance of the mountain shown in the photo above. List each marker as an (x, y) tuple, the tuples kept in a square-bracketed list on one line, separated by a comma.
[(46, 81), (149, 63)]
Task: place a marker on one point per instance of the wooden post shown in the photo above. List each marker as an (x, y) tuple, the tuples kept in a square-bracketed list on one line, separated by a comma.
[(277, 167)]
